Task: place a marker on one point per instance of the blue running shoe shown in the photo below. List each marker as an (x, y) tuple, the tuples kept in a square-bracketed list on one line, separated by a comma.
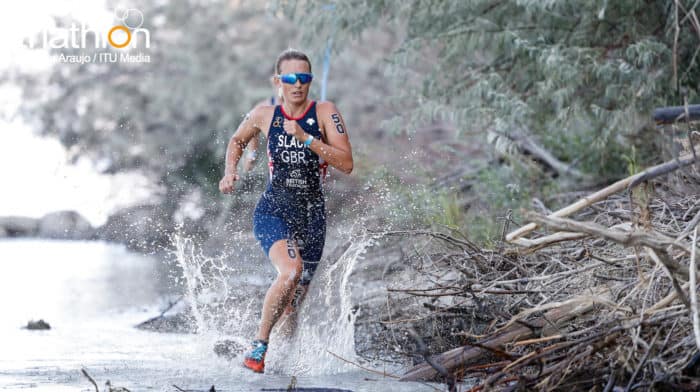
[(255, 359)]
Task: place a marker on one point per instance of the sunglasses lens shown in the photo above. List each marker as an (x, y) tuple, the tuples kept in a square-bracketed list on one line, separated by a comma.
[(288, 78), (305, 77)]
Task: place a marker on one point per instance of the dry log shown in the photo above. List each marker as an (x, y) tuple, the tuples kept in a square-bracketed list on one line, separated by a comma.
[(694, 294), (672, 114), (513, 332), (529, 145), (561, 236), (539, 243), (690, 227)]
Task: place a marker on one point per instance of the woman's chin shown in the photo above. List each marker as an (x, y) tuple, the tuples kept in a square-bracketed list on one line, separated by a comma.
[(297, 99)]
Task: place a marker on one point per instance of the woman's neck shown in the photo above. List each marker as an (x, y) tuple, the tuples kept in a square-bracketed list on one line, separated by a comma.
[(295, 110)]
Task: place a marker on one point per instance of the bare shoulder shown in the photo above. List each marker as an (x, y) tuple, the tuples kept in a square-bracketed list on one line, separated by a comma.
[(260, 111), (326, 108), (261, 116), (330, 118), (264, 102)]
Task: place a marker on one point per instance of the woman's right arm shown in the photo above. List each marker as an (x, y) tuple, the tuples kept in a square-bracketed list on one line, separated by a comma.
[(252, 148), (248, 128), (251, 154)]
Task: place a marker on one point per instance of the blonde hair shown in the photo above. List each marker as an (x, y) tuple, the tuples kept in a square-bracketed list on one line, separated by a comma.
[(291, 54)]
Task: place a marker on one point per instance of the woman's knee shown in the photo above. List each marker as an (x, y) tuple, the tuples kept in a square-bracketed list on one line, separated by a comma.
[(284, 255), (290, 278)]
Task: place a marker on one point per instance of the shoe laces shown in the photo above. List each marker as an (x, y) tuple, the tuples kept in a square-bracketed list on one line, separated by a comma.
[(259, 350)]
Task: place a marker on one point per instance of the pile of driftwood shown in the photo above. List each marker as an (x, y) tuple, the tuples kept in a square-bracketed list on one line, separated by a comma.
[(599, 295)]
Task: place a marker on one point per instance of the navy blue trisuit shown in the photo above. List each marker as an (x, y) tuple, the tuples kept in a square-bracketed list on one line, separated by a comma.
[(292, 206)]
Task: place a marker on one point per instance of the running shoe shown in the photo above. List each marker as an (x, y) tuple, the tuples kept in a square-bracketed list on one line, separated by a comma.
[(255, 359)]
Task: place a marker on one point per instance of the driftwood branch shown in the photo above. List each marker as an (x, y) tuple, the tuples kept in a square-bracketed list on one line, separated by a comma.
[(662, 258), (529, 145), (551, 331), (513, 332), (92, 380), (693, 293), (604, 193), (525, 144), (655, 241), (423, 350)]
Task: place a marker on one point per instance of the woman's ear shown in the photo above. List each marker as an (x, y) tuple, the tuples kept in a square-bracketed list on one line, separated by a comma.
[(276, 82)]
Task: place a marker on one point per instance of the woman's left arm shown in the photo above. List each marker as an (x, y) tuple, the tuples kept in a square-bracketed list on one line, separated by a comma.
[(336, 150)]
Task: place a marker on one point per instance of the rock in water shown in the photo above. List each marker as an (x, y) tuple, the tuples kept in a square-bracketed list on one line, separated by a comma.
[(228, 349), (143, 228), (176, 323), (65, 225), (176, 318), (38, 325), (19, 226)]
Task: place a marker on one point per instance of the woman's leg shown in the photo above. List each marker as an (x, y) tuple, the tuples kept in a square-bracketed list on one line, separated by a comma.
[(288, 321), (285, 256)]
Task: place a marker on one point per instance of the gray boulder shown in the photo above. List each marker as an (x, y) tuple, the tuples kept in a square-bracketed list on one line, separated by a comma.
[(144, 228), (173, 323), (37, 325), (176, 318), (18, 226), (65, 225)]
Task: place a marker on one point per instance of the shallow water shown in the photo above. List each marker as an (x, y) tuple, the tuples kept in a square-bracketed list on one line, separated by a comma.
[(93, 293)]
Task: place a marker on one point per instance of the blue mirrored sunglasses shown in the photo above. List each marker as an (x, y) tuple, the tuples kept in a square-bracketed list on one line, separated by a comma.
[(291, 78)]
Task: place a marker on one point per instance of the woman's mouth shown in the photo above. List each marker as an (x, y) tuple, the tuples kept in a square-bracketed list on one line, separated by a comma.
[(297, 94)]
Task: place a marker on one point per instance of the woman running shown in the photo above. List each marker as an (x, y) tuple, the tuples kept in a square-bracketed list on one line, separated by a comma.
[(303, 137)]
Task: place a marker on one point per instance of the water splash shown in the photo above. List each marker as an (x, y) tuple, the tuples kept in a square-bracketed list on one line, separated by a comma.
[(219, 300), (225, 302), (325, 325)]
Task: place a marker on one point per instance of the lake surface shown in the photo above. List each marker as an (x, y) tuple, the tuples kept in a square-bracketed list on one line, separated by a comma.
[(92, 294)]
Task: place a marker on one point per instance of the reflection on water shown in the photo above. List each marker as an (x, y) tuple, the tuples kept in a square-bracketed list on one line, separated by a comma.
[(68, 282), (92, 294)]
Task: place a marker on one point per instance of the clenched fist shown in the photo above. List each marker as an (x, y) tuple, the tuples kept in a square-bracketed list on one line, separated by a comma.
[(292, 128), (226, 183)]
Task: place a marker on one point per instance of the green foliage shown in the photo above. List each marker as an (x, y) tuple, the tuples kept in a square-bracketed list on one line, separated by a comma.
[(451, 215), (502, 192), (632, 162), (580, 77), (589, 72)]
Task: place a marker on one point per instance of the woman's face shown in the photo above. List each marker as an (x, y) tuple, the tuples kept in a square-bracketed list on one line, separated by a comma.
[(294, 93)]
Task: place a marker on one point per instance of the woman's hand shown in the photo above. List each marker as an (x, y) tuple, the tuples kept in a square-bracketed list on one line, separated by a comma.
[(294, 129), (226, 183)]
